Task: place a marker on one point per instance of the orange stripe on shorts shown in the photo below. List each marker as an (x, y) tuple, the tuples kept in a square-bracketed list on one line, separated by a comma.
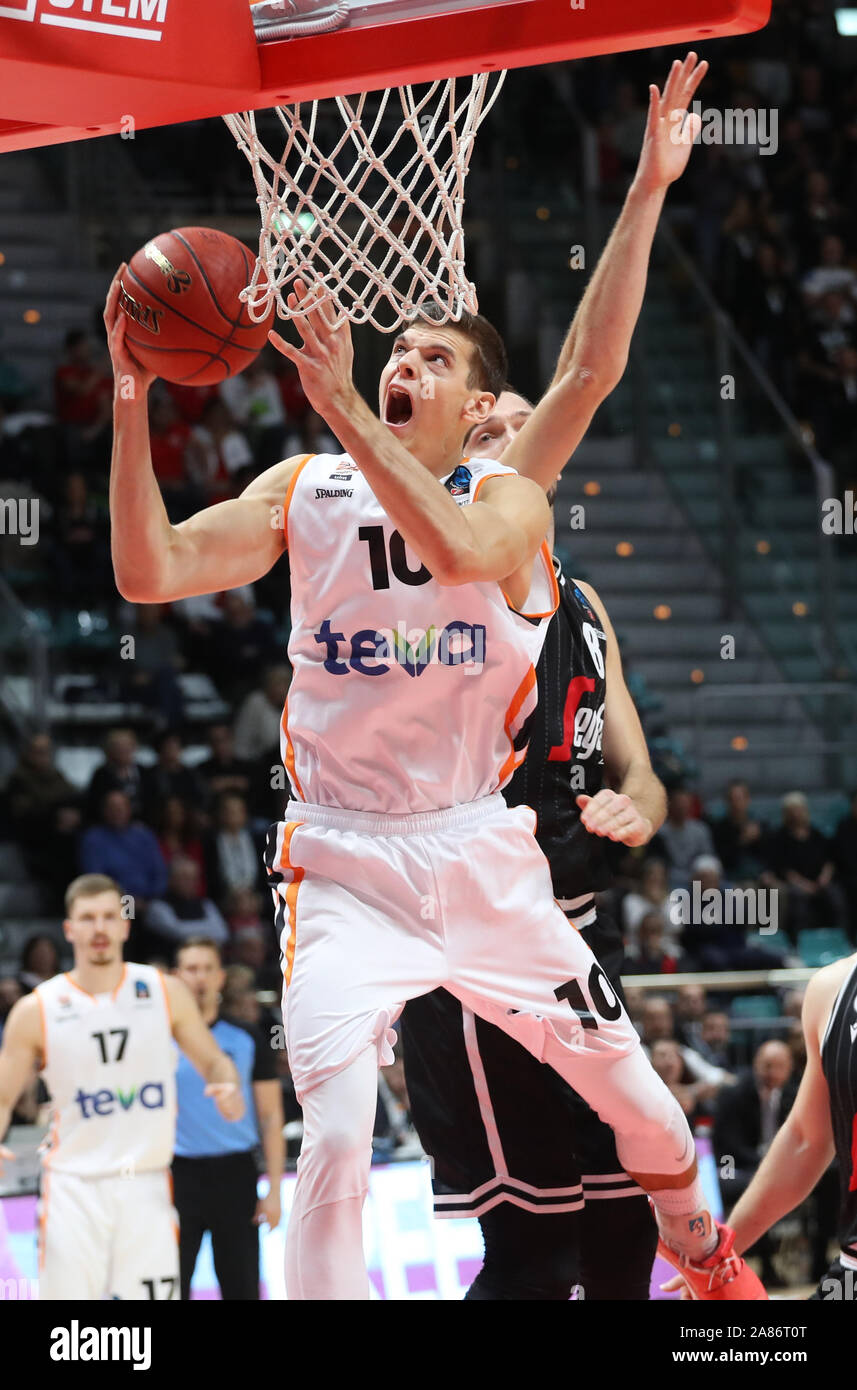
[(286, 865)]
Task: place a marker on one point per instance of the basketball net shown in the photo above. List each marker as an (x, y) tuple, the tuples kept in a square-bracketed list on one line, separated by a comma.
[(365, 204)]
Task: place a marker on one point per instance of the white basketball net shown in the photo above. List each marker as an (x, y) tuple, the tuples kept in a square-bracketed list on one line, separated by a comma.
[(374, 220)]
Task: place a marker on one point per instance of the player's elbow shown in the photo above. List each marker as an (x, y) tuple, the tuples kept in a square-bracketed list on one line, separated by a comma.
[(593, 382)]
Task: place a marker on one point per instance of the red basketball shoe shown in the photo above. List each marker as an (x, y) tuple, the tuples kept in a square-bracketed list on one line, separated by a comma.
[(723, 1275)]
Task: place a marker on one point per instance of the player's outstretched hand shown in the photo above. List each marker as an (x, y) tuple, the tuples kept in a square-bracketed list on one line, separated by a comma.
[(268, 1210), (228, 1099), (126, 369), (6, 1156), (325, 361), (670, 129), (614, 816)]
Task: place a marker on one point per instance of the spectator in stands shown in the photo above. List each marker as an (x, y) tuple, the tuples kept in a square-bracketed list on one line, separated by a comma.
[(250, 949), (653, 894), (769, 312), (243, 646), (170, 438), (120, 771), (40, 961), (243, 908), (257, 728), (682, 838), (169, 777), (44, 812), (81, 552), (10, 992), (233, 853), (177, 835), (747, 1116), (659, 1026), (125, 850), (309, 436), (152, 675), (649, 956), (800, 860), (715, 1040), (83, 393), (223, 772), (717, 937), (738, 836), (182, 911), (691, 1002), (695, 1096), (239, 995), (832, 274), (219, 455), (254, 400), (845, 859)]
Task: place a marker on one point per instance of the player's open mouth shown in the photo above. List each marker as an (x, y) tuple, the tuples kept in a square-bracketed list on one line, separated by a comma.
[(398, 407)]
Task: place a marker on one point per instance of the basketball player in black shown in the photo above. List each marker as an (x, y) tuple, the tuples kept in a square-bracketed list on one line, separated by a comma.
[(498, 1124), (822, 1123)]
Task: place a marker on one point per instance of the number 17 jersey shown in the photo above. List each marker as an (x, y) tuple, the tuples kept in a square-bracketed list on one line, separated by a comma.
[(408, 696), (109, 1065)]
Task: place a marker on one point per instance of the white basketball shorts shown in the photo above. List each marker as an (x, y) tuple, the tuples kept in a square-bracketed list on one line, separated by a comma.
[(375, 910), (113, 1237)]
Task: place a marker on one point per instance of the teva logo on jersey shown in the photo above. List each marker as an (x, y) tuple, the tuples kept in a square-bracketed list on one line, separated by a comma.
[(121, 17), (105, 1102), (374, 651)]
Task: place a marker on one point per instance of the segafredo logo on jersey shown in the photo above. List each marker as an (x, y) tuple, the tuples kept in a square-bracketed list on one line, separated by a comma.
[(122, 17), (375, 651), (106, 1102)]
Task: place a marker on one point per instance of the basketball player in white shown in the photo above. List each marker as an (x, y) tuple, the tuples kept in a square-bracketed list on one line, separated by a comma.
[(419, 600), (102, 1037)]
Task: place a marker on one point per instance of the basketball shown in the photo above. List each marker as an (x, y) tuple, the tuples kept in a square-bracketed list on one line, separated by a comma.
[(187, 323)]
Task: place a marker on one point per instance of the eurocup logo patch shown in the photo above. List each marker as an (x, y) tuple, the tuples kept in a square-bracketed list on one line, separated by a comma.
[(130, 19), (141, 989)]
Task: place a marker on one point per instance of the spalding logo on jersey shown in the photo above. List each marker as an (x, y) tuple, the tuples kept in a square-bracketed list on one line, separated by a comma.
[(457, 644), (103, 1102)]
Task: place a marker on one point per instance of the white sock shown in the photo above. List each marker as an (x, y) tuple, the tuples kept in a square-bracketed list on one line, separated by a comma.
[(684, 1220)]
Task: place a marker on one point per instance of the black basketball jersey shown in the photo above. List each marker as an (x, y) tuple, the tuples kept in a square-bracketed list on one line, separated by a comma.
[(839, 1063), (564, 757)]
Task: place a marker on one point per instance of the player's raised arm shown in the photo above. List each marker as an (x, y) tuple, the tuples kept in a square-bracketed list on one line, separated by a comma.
[(20, 1056), (595, 352), (221, 547), (635, 805), (198, 1045), (803, 1147)]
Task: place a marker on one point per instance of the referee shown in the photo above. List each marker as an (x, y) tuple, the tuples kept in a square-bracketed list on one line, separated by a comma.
[(215, 1168)]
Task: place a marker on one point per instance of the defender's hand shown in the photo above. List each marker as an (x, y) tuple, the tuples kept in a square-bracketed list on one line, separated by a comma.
[(116, 322), (326, 358), (615, 817), (670, 130), (228, 1099)]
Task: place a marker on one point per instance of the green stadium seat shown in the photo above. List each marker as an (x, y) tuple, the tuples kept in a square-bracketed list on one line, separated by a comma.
[(755, 1006), (823, 946)]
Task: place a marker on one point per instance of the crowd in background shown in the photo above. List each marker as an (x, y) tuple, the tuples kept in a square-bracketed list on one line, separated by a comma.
[(184, 839)]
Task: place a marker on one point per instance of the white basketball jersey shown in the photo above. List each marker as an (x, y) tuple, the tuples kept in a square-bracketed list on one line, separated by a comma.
[(110, 1068), (407, 696)]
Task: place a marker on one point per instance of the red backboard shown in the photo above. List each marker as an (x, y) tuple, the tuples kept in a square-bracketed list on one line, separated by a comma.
[(72, 69)]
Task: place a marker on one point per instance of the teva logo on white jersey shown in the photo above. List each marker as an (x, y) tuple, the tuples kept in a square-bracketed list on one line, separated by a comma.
[(76, 1343), (118, 17)]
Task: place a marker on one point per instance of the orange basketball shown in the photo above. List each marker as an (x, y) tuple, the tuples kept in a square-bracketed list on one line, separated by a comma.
[(187, 324)]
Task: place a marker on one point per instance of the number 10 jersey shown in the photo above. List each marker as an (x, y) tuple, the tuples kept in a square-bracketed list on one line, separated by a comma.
[(407, 696)]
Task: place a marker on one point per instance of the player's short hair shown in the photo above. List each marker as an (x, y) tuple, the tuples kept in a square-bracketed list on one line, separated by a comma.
[(488, 361), (206, 942), (89, 886)]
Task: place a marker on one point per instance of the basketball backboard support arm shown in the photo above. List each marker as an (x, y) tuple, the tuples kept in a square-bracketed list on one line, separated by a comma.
[(74, 69)]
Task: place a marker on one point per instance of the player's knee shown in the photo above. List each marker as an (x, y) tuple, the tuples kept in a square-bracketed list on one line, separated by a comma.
[(337, 1145)]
